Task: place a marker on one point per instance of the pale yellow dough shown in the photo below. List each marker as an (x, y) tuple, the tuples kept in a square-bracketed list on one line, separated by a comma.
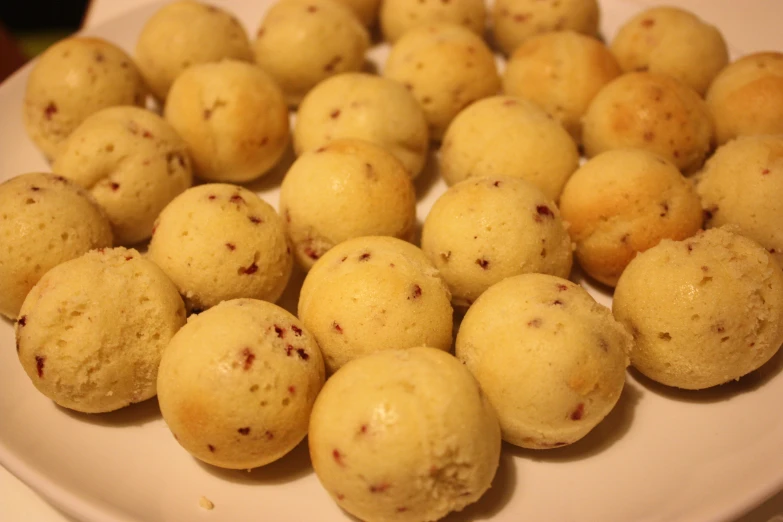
[(562, 72), (400, 16), (366, 107), (132, 162), (185, 33), (652, 112), (482, 230), (219, 242), (346, 189), (550, 359), (673, 41), (237, 383), (404, 436), (509, 136), (302, 42), (233, 117), (371, 294), (703, 311), (742, 185), (91, 332), (72, 79), (45, 220), (515, 21), (446, 67)]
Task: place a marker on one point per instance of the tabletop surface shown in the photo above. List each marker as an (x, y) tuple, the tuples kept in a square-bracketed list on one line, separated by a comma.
[(18, 503)]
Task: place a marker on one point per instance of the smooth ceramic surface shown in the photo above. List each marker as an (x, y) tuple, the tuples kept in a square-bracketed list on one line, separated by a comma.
[(661, 455)]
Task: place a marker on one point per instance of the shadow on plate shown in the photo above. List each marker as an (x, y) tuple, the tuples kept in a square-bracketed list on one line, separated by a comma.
[(750, 382), (137, 414), (272, 179), (493, 501), (428, 176), (290, 298), (295, 465), (601, 438)]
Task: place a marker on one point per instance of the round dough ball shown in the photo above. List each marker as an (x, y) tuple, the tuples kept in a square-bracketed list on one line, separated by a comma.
[(45, 220), (185, 33), (512, 137), (651, 112), (91, 332), (71, 80), (742, 185), (514, 21), (672, 41), (346, 189), (746, 97), (446, 67), (237, 383), (302, 42), (365, 10), (561, 72), (232, 116), (703, 311), (550, 359), (623, 202), (365, 107), (426, 414), (400, 16), (482, 230), (132, 162), (219, 242), (374, 293)]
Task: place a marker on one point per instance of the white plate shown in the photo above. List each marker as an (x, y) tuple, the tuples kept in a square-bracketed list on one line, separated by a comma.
[(661, 455)]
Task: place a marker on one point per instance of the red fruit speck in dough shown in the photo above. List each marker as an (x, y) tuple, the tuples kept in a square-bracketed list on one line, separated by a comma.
[(496, 184), (292, 390), (231, 246), (416, 292), (765, 172), (236, 198), (255, 220), (22, 321), (312, 8), (648, 22), (364, 257), (35, 189), (248, 357), (338, 457), (269, 435), (312, 254), (340, 496), (39, 365), (578, 412), (50, 110), (337, 327), (252, 269), (211, 448), (535, 323), (280, 331), (483, 263), (335, 114), (128, 258), (289, 349), (211, 197), (402, 509), (114, 185), (363, 428), (379, 488), (146, 134), (543, 210), (244, 431), (296, 329), (302, 354), (557, 302)]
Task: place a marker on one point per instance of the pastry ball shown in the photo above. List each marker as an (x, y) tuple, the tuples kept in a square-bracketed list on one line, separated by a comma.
[(446, 67), (672, 41), (365, 10), (302, 42), (482, 230), (404, 435), (703, 311), (185, 33), (549, 358), (237, 383), (71, 80), (652, 112), (746, 98), (45, 220), (133, 163), (623, 202), (374, 293), (742, 185), (514, 21), (366, 107), (399, 16), (348, 188), (91, 332), (561, 72), (509, 136), (219, 242), (232, 116)]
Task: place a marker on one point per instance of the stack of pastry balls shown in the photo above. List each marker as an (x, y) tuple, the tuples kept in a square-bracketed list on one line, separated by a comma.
[(677, 208)]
